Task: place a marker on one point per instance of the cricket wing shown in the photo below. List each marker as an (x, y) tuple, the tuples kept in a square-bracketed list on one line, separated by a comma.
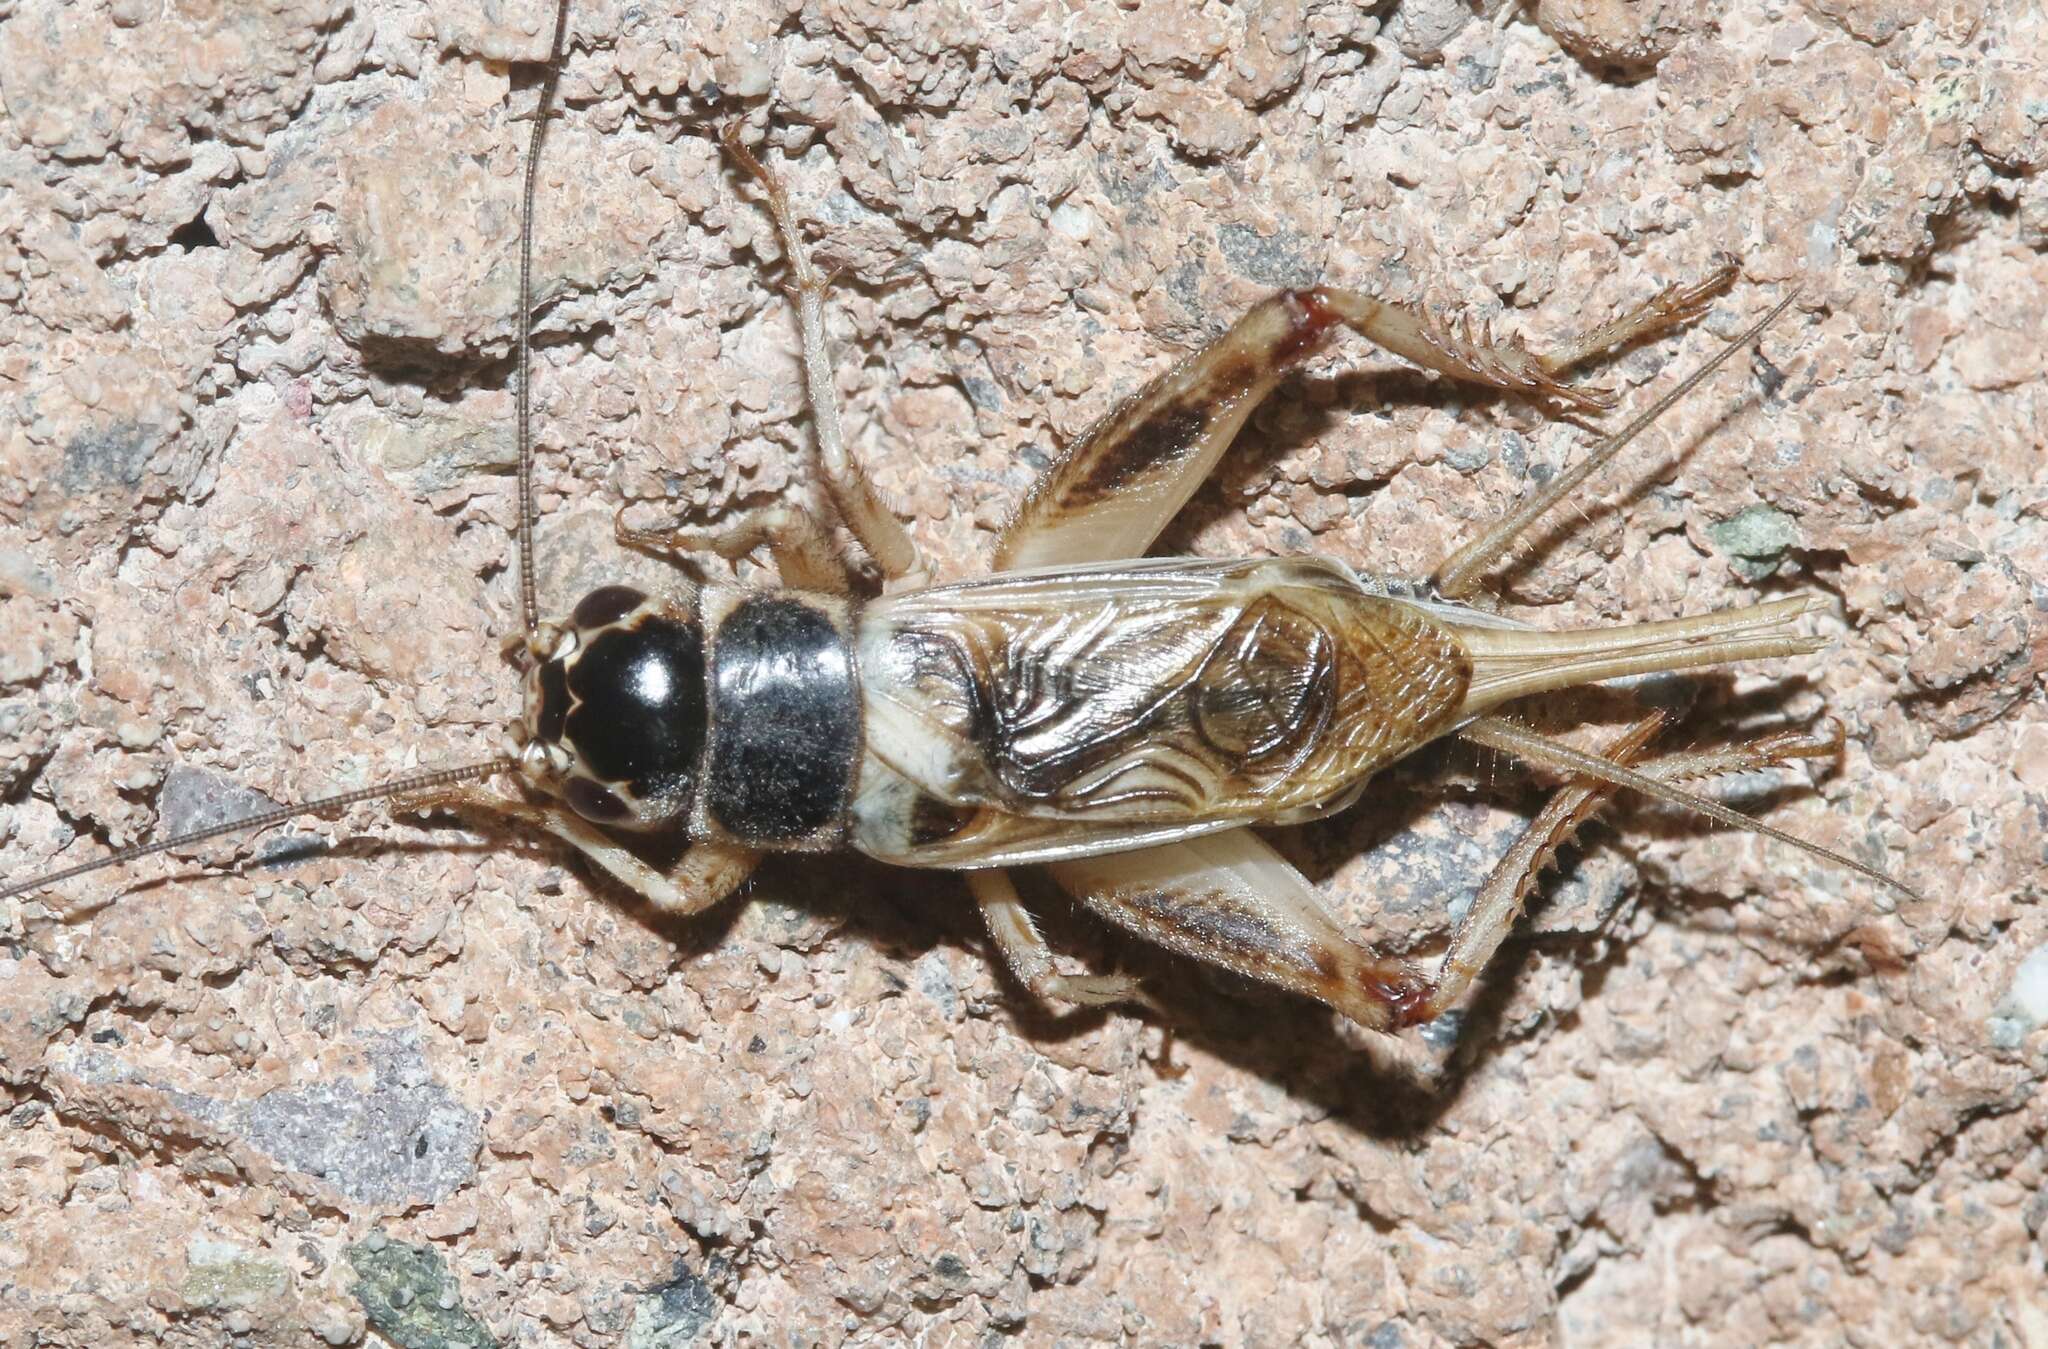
[(897, 821), (1152, 698)]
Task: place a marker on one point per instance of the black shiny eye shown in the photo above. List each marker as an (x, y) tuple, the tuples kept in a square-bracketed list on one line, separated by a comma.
[(606, 604), (593, 802)]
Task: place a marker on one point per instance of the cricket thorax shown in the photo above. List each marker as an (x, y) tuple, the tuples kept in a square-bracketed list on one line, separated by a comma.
[(786, 723), (729, 713)]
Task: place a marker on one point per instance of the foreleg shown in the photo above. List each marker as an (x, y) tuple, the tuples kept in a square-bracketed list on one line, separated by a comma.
[(706, 874)]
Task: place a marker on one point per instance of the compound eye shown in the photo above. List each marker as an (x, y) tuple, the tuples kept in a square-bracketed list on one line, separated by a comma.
[(606, 605), (597, 804)]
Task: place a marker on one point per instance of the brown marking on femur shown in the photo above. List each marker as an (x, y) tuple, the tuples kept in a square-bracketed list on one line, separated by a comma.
[(1233, 375), (1239, 938), (1124, 451), (1377, 993)]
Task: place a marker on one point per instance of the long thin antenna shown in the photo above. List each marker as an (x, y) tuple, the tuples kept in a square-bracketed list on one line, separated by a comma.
[(440, 777), (1460, 572), (529, 592)]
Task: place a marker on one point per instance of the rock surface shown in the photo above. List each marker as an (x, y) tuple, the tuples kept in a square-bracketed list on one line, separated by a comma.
[(257, 268)]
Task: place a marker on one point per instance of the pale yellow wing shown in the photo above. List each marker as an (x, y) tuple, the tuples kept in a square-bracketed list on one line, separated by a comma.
[(1153, 694)]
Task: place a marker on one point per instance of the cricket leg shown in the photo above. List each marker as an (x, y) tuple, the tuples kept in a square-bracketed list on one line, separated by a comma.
[(706, 874), (1027, 956), (1457, 576), (877, 528), (803, 549), (1500, 900), (1113, 490), (1507, 889), (1505, 363), (1229, 899)]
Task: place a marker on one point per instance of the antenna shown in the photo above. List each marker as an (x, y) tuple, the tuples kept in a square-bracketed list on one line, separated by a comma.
[(529, 601), (440, 777), (529, 598)]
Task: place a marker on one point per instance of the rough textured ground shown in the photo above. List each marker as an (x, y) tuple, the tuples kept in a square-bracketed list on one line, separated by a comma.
[(256, 280)]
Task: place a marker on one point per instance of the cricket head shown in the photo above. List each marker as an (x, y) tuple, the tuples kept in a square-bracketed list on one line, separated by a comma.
[(615, 719)]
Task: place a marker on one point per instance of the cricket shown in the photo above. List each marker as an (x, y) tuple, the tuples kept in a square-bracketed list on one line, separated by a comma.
[(1121, 720)]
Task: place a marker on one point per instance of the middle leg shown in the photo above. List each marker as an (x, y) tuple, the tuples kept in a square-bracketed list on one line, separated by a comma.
[(877, 528), (1027, 955)]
